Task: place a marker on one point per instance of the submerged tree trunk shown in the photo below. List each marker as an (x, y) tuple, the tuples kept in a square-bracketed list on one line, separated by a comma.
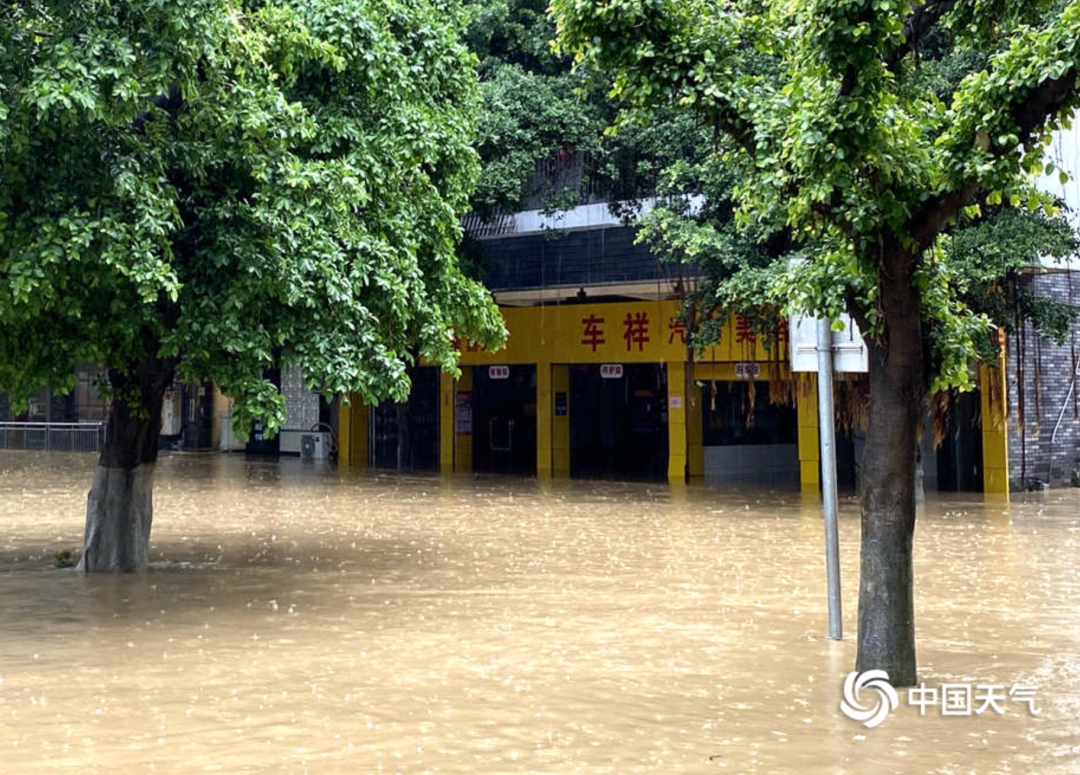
[(119, 508), (886, 638)]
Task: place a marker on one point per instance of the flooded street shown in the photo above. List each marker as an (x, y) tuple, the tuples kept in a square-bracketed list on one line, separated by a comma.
[(299, 619)]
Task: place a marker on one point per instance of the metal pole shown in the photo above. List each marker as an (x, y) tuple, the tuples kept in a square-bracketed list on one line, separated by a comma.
[(827, 432)]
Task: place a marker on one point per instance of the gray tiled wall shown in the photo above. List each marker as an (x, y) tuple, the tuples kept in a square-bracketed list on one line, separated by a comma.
[(1035, 453)]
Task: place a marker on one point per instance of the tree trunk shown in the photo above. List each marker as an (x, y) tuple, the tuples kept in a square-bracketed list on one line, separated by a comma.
[(920, 476), (886, 638), (119, 508)]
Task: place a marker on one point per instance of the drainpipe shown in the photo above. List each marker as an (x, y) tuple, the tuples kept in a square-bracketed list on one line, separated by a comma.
[(1057, 425)]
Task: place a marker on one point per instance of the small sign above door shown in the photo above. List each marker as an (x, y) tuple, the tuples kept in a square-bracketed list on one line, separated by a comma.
[(747, 370)]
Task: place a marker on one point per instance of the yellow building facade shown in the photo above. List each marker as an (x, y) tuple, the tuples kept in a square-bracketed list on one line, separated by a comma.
[(560, 341)]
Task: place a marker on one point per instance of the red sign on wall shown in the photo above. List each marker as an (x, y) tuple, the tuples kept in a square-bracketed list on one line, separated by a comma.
[(593, 333), (637, 330)]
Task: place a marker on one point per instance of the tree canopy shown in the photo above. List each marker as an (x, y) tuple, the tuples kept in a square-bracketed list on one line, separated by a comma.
[(226, 186), (834, 133), (535, 106), (534, 111), (838, 123)]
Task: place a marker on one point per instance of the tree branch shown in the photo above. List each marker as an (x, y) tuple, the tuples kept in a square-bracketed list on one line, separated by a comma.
[(1041, 102), (1030, 114), (922, 20), (171, 103), (738, 129), (935, 215)]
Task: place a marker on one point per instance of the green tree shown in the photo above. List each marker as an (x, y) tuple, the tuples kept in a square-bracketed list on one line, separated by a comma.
[(530, 109), (695, 222), (532, 112), (990, 258), (214, 188), (988, 255), (834, 133)]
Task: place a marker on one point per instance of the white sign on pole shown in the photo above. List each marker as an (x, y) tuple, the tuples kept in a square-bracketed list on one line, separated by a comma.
[(849, 351)]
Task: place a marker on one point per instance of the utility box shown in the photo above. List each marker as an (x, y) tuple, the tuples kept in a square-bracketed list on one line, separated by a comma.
[(315, 446)]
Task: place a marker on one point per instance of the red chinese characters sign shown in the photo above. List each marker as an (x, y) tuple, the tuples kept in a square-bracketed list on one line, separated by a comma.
[(745, 333), (593, 335), (636, 327), (626, 331), (466, 346), (676, 328), (744, 330), (637, 330)]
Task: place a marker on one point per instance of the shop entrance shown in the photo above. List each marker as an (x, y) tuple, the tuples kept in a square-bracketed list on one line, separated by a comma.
[(405, 437), (954, 466), (504, 419), (959, 459), (746, 437), (618, 421)]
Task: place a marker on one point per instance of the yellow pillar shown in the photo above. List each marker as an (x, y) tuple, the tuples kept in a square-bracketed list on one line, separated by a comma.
[(560, 421), (544, 411), (463, 436), (695, 434), (446, 422), (806, 402), (676, 386), (344, 433), (353, 433), (995, 429)]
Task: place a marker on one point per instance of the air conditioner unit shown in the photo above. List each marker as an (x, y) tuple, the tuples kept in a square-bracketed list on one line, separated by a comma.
[(315, 446)]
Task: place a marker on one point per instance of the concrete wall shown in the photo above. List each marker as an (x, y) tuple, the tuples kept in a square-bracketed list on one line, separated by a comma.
[(301, 410), (764, 463)]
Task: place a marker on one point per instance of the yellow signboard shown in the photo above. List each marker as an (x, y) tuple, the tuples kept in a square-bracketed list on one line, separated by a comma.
[(622, 332)]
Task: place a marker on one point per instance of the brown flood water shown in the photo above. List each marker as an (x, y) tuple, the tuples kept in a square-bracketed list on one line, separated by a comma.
[(304, 620)]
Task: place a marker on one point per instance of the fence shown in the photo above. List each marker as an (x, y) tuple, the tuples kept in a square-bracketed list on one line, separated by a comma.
[(53, 436)]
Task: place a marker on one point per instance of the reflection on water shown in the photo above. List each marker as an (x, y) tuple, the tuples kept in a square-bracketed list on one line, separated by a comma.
[(301, 619)]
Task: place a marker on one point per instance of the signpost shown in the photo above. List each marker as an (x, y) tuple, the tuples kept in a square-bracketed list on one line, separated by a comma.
[(831, 351), (827, 433)]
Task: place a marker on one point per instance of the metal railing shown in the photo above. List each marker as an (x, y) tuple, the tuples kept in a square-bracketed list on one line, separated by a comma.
[(53, 436)]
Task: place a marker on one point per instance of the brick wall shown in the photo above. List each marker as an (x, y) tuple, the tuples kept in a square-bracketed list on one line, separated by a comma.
[(1033, 454)]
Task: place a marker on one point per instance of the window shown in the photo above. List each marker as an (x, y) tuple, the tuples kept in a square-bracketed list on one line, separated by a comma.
[(89, 406)]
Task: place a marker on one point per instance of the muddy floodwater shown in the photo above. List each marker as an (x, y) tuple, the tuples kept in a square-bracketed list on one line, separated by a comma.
[(298, 619)]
